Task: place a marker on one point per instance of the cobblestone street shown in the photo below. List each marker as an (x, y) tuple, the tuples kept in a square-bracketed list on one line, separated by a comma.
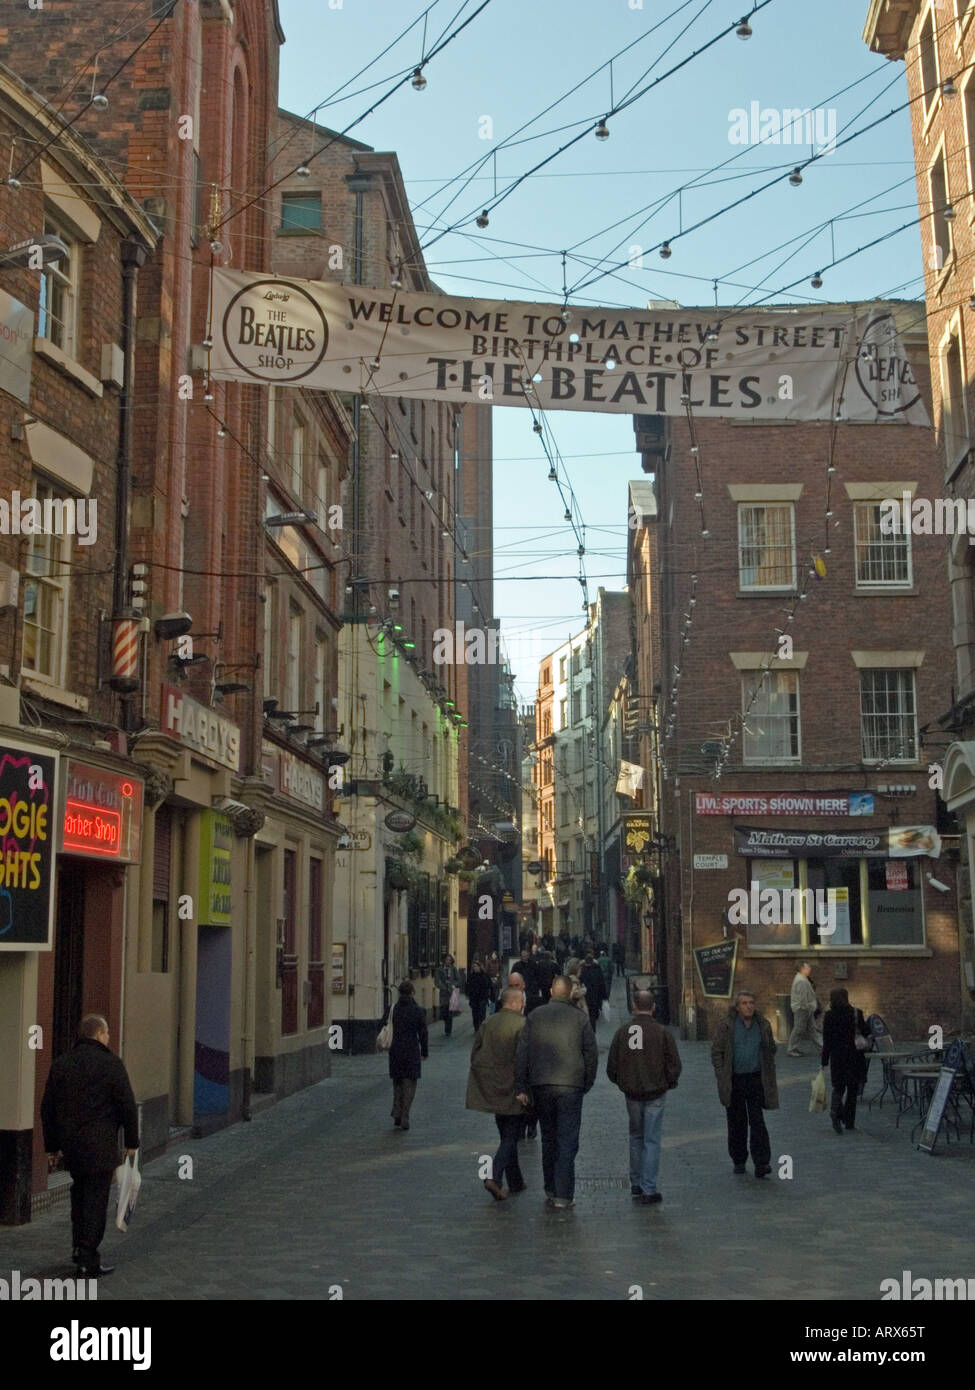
[(321, 1190)]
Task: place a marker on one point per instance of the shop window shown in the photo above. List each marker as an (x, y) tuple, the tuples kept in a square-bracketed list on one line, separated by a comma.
[(839, 881), (766, 546), (770, 707), (887, 716), (894, 902), (883, 551), (316, 965)]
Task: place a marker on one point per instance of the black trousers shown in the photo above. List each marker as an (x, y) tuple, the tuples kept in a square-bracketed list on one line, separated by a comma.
[(506, 1159), (89, 1213), (746, 1123), (844, 1108), (478, 1010), (594, 1016)]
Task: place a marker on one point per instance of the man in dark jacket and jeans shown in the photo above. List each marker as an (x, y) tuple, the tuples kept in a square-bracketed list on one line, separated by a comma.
[(644, 1063), (556, 1058), (87, 1098)]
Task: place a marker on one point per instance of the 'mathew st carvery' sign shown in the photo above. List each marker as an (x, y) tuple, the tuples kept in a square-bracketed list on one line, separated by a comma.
[(782, 364)]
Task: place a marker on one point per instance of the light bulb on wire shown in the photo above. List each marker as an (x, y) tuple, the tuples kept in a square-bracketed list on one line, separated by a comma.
[(418, 81), (483, 220), (744, 30), (602, 131)]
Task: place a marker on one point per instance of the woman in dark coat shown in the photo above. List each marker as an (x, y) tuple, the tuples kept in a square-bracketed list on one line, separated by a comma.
[(847, 1066), (447, 979), (408, 1046), (480, 992)]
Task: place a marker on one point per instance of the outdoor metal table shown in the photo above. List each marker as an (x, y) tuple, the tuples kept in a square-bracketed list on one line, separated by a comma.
[(919, 1080), (896, 1054)]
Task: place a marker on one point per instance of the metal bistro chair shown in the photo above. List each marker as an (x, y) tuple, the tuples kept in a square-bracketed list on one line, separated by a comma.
[(916, 1083), (883, 1042)]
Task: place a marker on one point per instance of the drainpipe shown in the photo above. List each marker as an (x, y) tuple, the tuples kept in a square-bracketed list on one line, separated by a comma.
[(133, 255)]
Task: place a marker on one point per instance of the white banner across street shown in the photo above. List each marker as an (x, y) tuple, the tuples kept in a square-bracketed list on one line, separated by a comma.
[(772, 364)]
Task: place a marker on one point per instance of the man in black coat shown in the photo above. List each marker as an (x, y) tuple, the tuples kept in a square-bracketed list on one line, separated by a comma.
[(592, 977), (409, 1047), (527, 970), (86, 1100), (545, 972)]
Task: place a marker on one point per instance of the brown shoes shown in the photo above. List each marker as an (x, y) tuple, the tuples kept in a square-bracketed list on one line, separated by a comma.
[(496, 1190)]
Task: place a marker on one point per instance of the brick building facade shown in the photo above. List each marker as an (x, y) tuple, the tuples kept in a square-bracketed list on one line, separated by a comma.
[(936, 42), (838, 701)]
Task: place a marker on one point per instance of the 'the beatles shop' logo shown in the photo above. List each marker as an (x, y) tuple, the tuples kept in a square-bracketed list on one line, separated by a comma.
[(883, 371), (275, 331)]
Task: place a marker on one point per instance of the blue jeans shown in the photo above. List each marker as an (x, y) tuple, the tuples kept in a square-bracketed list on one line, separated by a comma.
[(559, 1110), (646, 1123)]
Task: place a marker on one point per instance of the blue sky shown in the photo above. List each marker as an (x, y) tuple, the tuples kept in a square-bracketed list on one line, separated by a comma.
[(516, 59)]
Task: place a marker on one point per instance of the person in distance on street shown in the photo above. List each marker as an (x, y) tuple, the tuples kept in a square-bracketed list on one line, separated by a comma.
[(591, 977), (88, 1097), (491, 1088), (847, 1066), (743, 1056), (527, 969), (447, 979), (644, 1063), (408, 1047), (545, 972), (479, 992), (556, 1061), (605, 963), (618, 958), (572, 968), (805, 1007)]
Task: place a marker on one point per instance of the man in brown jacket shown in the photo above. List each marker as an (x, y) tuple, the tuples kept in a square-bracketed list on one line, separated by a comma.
[(644, 1063), (743, 1056), (491, 1087)]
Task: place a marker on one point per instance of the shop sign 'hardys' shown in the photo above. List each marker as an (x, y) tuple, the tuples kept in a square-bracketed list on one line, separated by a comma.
[(898, 842), (28, 830), (201, 729), (803, 364)]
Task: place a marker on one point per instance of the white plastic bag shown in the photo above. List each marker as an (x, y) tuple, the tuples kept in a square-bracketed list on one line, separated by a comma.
[(817, 1100), (129, 1181), (384, 1039), (605, 1011)]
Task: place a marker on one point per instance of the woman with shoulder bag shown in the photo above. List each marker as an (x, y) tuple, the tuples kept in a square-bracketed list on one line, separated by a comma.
[(408, 1047), (448, 983)]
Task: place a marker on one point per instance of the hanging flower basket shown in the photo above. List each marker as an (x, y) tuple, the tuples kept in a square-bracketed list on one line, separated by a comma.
[(397, 875), (453, 866)]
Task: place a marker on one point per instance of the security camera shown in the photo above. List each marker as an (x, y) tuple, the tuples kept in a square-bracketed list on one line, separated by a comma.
[(936, 883), (345, 842), (393, 596)]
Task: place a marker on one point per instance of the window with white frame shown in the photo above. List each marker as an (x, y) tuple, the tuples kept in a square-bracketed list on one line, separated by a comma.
[(883, 547), (942, 214), (562, 663), (57, 312), (770, 707), (580, 754), (321, 653), (968, 112), (563, 714), (928, 56), (46, 597), (888, 716), (766, 545), (577, 706), (292, 674), (954, 414)]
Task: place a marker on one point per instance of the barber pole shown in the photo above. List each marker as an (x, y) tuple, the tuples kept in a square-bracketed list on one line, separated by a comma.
[(125, 656)]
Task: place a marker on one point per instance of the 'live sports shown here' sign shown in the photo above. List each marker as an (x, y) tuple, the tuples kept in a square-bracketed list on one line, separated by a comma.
[(784, 804), (28, 835), (741, 364)]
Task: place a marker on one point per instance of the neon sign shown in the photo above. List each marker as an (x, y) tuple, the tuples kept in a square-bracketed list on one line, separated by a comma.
[(92, 828)]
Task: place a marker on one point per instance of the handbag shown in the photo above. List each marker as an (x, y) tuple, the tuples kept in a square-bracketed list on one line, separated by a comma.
[(454, 1006), (863, 1044), (384, 1040)]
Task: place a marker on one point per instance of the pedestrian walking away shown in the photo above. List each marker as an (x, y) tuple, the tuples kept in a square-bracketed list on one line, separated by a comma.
[(743, 1056), (847, 1066), (408, 1047), (555, 1064), (491, 1088), (447, 979), (87, 1099), (618, 958), (526, 968), (545, 972), (605, 964), (805, 1006), (644, 1063), (578, 998), (591, 977), (480, 992)]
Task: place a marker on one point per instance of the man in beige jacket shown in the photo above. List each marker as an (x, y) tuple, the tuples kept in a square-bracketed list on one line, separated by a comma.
[(804, 1008)]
